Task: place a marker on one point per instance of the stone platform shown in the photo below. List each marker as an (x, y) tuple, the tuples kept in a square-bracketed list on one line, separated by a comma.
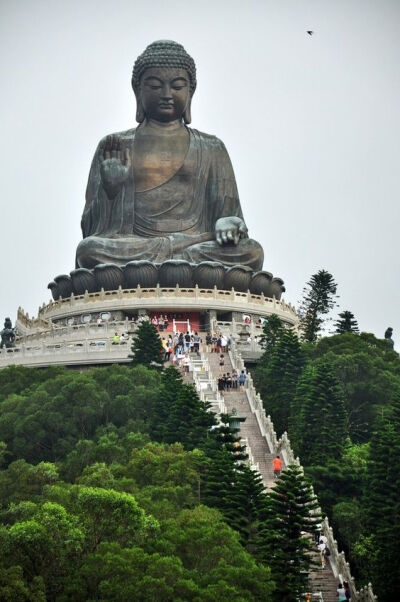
[(79, 330)]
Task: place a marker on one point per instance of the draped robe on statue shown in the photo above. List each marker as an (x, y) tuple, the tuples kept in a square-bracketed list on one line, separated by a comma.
[(175, 220)]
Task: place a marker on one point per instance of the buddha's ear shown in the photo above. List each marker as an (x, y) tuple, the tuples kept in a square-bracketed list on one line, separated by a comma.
[(187, 113), (140, 114)]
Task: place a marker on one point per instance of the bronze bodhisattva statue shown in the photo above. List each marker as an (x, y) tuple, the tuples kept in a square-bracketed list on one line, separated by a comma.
[(162, 203)]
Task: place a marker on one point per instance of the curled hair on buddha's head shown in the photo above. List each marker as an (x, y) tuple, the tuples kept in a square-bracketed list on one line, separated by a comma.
[(163, 53)]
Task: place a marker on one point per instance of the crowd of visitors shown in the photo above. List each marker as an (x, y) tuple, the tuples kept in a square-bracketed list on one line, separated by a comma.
[(228, 381), (177, 344), (231, 381), (160, 323), (178, 347)]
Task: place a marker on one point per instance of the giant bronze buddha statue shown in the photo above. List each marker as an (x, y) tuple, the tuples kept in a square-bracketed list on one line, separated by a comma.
[(163, 192)]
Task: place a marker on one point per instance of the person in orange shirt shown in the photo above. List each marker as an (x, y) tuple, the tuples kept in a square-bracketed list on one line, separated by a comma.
[(277, 462)]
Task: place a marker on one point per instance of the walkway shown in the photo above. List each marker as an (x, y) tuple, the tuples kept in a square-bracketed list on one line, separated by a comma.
[(322, 583), (249, 429)]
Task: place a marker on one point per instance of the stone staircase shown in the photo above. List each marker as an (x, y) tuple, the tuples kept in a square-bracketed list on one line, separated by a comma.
[(236, 399), (323, 583)]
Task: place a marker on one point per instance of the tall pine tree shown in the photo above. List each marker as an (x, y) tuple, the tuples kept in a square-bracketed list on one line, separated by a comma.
[(188, 418), (276, 379), (146, 347), (171, 386), (318, 300), (272, 330), (319, 426), (293, 516), (250, 499), (225, 460)]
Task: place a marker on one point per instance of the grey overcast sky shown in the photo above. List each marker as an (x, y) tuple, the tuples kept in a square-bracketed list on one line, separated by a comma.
[(312, 125)]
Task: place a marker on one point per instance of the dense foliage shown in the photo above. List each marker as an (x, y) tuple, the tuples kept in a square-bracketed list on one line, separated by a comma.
[(339, 399), (118, 484), (104, 480)]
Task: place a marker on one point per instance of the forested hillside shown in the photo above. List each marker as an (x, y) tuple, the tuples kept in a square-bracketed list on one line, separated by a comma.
[(339, 401), (117, 484)]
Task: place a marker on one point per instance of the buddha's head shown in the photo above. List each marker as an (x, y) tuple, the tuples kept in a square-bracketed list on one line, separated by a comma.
[(164, 81)]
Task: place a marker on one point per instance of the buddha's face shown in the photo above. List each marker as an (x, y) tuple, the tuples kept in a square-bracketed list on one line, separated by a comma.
[(165, 93)]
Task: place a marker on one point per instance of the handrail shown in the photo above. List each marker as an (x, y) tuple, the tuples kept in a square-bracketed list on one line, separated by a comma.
[(58, 352), (82, 330), (161, 292)]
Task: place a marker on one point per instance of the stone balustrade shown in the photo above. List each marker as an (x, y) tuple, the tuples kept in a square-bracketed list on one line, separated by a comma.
[(206, 385), (191, 298), (250, 460), (366, 594), (79, 332), (235, 328), (264, 421), (84, 352), (341, 568)]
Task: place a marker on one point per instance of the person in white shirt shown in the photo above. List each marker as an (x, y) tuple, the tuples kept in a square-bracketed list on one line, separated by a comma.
[(186, 362), (321, 548)]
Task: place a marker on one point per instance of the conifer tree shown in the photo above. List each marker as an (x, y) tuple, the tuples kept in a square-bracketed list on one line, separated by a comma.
[(277, 379), (171, 386), (188, 418), (346, 323), (225, 460), (230, 485), (251, 499), (272, 330), (319, 419), (293, 511), (318, 300), (382, 500), (146, 347)]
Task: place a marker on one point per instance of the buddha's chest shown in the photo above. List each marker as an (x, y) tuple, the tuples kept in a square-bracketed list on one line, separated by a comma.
[(157, 158)]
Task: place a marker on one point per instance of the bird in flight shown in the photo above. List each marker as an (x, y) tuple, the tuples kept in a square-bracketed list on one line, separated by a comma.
[(310, 32)]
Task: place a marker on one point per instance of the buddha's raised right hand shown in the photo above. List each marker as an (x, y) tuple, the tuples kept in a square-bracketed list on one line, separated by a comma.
[(114, 169)]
